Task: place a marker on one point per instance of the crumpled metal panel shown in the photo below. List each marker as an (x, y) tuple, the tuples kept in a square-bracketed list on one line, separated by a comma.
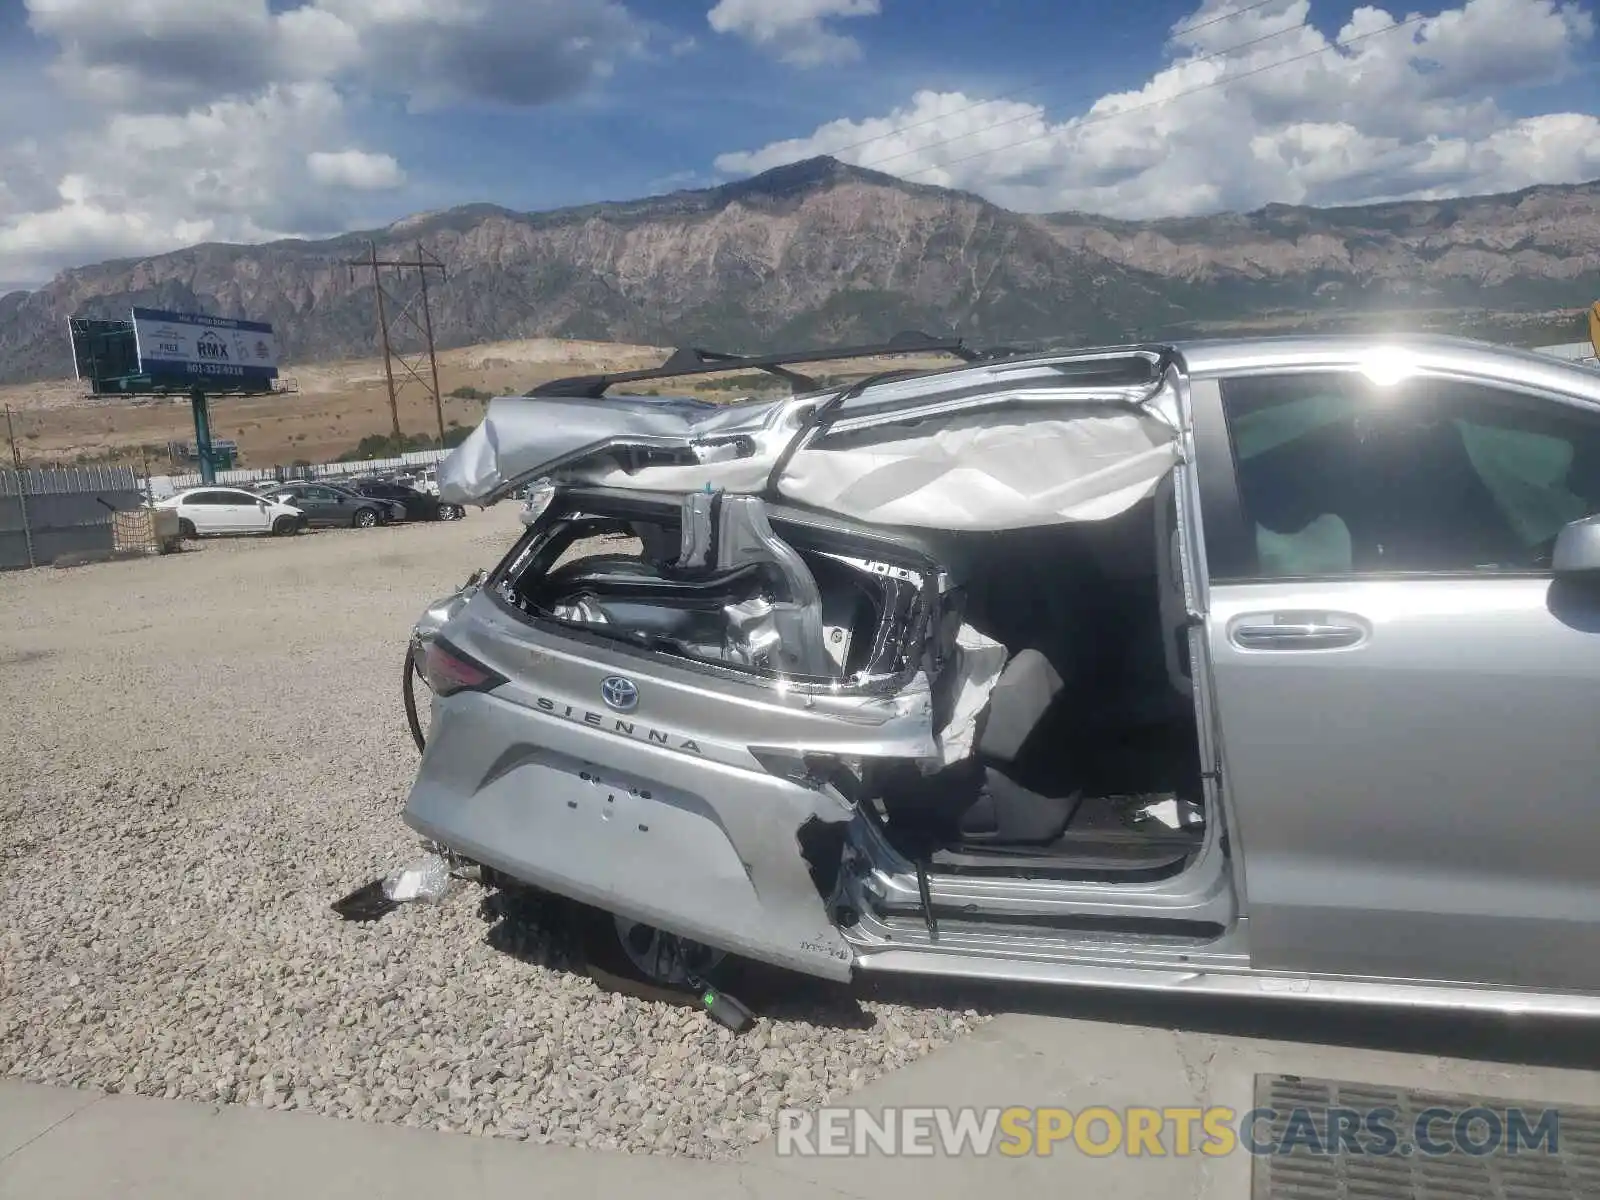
[(1003, 462)]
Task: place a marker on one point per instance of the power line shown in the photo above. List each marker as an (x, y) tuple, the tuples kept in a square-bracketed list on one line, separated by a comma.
[(1223, 81), (1044, 81)]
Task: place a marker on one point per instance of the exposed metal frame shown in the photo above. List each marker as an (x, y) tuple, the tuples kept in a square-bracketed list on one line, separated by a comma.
[(690, 360)]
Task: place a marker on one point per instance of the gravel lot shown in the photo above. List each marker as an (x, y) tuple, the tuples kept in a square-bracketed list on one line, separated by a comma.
[(200, 753)]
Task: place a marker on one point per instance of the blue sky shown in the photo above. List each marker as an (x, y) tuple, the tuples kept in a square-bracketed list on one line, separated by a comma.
[(660, 123), (673, 117), (661, 120), (134, 126)]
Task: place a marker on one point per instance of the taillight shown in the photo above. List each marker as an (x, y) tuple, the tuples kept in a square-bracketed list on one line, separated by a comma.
[(449, 670)]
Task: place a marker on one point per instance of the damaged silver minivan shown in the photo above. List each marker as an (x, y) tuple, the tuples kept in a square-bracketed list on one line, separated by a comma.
[(1249, 667)]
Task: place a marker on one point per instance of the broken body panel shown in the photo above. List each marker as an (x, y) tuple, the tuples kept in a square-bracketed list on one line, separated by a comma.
[(725, 801), (691, 798), (1002, 446), (749, 731)]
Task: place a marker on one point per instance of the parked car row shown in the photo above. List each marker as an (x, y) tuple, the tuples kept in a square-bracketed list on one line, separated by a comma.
[(280, 508)]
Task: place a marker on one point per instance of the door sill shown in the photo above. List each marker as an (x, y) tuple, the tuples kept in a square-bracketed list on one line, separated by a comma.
[(1152, 968)]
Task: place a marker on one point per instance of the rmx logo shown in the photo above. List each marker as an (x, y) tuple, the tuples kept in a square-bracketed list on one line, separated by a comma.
[(209, 346)]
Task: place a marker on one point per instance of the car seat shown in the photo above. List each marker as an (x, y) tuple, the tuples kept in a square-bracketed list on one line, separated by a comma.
[(979, 800)]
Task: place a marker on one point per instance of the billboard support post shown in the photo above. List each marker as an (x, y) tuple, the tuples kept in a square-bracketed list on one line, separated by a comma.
[(202, 434)]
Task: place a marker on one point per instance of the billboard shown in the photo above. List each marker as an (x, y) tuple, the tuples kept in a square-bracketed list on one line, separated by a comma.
[(103, 352), (185, 349)]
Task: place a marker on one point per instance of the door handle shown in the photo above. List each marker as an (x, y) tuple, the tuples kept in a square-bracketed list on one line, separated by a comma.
[(1296, 633)]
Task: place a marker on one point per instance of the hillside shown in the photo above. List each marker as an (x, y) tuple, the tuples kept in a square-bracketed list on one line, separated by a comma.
[(823, 252)]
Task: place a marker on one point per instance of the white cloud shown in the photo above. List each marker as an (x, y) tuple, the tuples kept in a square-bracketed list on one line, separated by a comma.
[(359, 170), (235, 170), (166, 122), (520, 52), (166, 53), (156, 53), (1407, 113), (794, 30)]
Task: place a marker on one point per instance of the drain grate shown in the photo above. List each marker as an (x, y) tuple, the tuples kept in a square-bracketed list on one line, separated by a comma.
[(1321, 1139)]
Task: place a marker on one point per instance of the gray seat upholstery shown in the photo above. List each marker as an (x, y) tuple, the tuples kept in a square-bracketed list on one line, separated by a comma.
[(975, 801), (1021, 696)]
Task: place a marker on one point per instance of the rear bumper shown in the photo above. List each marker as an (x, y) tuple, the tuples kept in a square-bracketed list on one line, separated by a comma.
[(703, 849)]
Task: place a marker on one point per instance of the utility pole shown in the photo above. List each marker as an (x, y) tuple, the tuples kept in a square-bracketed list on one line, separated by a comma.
[(11, 432), (433, 362), (22, 488), (383, 335), (414, 311)]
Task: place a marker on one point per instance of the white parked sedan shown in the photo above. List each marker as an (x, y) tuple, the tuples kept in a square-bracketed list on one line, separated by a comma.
[(207, 510)]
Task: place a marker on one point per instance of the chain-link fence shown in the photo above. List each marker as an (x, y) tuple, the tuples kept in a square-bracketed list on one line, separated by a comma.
[(412, 460), (45, 514)]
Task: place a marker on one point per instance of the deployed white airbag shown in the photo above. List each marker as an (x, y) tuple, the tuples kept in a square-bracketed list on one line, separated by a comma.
[(979, 660), (976, 472), (990, 468)]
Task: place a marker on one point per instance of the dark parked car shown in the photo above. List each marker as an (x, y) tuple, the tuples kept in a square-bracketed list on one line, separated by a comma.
[(419, 506), (325, 504)]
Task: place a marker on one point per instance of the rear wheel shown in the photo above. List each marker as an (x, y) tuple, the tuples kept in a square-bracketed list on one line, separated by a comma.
[(366, 518), (186, 529), (451, 512), (665, 959)]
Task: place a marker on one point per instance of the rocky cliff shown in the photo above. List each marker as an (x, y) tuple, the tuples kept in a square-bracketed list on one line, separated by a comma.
[(821, 252)]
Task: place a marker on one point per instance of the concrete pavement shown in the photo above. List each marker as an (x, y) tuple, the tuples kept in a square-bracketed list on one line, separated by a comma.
[(1076, 1063), (61, 1144)]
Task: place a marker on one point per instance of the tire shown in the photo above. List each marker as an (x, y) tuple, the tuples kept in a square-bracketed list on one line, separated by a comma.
[(284, 526), (451, 512), (655, 957), (408, 692), (186, 529), (365, 518)]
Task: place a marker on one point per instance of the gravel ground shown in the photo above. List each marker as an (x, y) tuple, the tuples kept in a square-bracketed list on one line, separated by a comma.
[(200, 753)]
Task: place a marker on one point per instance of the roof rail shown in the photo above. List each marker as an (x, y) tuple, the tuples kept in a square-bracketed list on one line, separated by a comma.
[(692, 361)]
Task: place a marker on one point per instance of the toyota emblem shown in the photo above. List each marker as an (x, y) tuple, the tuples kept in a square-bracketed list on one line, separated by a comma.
[(619, 693)]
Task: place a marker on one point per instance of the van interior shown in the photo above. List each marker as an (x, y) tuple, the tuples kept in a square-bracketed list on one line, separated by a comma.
[(1086, 760)]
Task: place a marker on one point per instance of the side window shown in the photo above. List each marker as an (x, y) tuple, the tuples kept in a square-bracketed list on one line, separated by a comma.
[(1338, 477), (206, 498)]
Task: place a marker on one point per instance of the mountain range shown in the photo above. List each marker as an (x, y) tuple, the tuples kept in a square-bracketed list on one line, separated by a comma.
[(820, 252)]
